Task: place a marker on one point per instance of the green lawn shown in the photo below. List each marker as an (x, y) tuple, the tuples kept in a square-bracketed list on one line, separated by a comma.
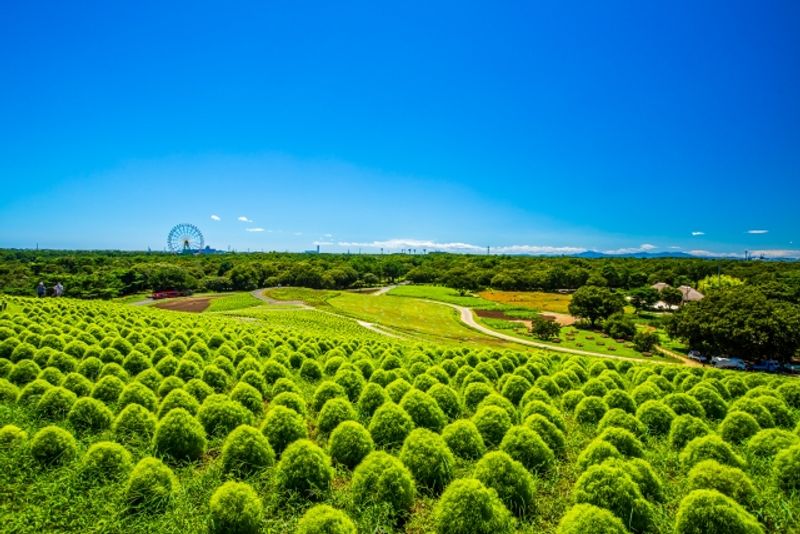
[(443, 294), (233, 301)]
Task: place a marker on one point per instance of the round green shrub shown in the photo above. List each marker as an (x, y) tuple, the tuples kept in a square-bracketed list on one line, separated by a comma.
[(351, 381), (326, 391), (710, 447), (474, 393), (78, 384), (311, 370), (528, 448), (514, 485), (55, 403), (514, 388), (90, 415), (549, 432), (219, 415), (618, 418), (590, 410), (738, 427), (304, 469), (447, 399), (492, 422), (501, 402), (350, 443), (178, 398), (215, 377), (179, 437), (731, 481), (750, 405), (571, 399), (546, 410), (105, 461), (642, 473), (786, 469), (246, 452), (382, 480), (656, 416), (52, 375), (198, 389), (613, 489), (590, 519), (713, 404), (464, 440), (624, 441), (134, 424), (427, 457), (324, 519), (290, 400), (236, 509), (703, 511), (390, 425), (283, 426), (469, 507), (423, 410), (595, 453), (790, 391), (108, 389), (684, 429), (616, 398), (372, 397), (140, 394), (32, 392), (249, 397), (8, 391), (151, 486), (24, 371), (11, 436), (771, 441), (683, 404), (52, 445), (333, 412)]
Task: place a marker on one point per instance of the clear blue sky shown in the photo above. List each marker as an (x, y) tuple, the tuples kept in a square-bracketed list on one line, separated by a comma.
[(547, 126)]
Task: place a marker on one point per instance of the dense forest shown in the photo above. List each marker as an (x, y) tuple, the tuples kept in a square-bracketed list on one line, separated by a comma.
[(109, 274)]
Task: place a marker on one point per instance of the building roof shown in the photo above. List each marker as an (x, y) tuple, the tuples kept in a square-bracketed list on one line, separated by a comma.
[(660, 285), (690, 294)]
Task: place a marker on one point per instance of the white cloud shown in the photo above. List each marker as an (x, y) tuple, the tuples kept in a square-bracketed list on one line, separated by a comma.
[(757, 232), (254, 229), (216, 218), (645, 247), (698, 233), (327, 235), (245, 219), (776, 253), (323, 243)]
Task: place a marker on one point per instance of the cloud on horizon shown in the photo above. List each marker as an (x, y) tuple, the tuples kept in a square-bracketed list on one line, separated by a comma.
[(696, 233), (242, 218), (757, 232), (216, 218), (254, 229)]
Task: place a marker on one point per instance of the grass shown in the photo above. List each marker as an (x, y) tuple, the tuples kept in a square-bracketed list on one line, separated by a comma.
[(235, 301), (533, 300), (443, 294), (130, 299)]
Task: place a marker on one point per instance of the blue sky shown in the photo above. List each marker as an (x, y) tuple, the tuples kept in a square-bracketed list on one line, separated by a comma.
[(530, 126)]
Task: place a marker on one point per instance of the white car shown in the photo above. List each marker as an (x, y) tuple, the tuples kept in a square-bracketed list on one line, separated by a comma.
[(729, 363)]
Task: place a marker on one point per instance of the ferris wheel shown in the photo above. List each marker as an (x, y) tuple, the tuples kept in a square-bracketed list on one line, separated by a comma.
[(185, 239)]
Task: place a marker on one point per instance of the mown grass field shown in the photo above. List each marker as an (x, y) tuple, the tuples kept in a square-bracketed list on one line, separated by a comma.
[(533, 300)]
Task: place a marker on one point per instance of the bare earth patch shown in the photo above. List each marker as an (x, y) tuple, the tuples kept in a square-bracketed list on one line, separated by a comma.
[(192, 305)]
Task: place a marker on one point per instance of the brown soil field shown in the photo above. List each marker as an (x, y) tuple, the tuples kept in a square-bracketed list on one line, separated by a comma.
[(192, 305)]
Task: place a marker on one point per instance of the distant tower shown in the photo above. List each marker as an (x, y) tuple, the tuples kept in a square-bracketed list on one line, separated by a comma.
[(317, 249)]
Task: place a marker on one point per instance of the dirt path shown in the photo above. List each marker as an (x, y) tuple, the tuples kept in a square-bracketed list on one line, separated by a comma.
[(383, 291), (259, 294)]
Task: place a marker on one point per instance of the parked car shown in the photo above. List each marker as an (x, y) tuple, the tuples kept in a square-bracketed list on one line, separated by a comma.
[(729, 363), (696, 356), (768, 366)]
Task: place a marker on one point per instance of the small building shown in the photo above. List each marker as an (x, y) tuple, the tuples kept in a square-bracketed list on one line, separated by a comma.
[(689, 293)]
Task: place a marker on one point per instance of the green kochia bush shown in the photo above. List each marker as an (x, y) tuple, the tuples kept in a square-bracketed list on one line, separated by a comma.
[(382, 480), (333, 412), (283, 426), (178, 398), (12, 436), (291, 400), (427, 457), (423, 410), (108, 389), (771, 441), (235, 509), (55, 403), (324, 519), (733, 482), (372, 397), (134, 424), (612, 488), (349, 443), (304, 469), (656, 416), (492, 422), (139, 394), (151, 486), (590, 410), (52, 445), (91, 415), (617, 418), (513, 483), (390, 425), (219, 415), (624, 441), (246, 451), (469, 507), (786, 468), (528, 448), (709, 447), (738, 427), (705, 511), (590, 519), (464, 440), (549, 432), (105, 461), (179, 436), (595, 453), (684, 429)]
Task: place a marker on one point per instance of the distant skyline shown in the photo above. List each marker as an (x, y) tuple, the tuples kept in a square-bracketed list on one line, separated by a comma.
[(547, 128)]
